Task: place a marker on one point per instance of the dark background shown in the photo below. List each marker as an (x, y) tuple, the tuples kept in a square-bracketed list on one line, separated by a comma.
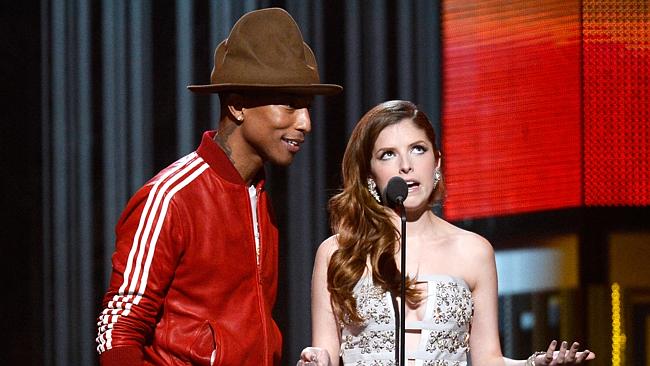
[(54, 282)]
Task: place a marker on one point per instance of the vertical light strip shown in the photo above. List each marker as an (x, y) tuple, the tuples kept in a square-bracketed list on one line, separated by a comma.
[(109, 105), (508, 325), (302, 174), (46, 156), (114, 109), (108, 130), (618, 336), (140, 93), (184, 74), (72, 122), (220, 24), (60, 167), (405, 51), (353, 65), (123, 107), (375, 48), (84, 220), (319, 129), (427, 52)]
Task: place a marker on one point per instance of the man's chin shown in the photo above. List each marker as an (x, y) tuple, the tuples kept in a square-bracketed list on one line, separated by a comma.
[(282, 162)]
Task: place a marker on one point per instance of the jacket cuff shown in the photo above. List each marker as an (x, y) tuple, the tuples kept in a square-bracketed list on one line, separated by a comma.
[(122, 356)]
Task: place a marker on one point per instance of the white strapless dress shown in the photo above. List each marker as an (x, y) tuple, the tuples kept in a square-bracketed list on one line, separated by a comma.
[(444, 330)]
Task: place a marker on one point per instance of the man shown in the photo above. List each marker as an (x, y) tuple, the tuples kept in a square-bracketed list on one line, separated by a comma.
[(195, 268)]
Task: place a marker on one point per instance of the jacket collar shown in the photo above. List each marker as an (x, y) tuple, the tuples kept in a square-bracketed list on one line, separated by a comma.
[(221, 164)]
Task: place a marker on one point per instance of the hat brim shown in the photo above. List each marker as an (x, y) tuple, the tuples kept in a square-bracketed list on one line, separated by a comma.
[(300, 89)]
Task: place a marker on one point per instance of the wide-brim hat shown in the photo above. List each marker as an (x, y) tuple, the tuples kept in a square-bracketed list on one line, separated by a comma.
[(265, 51)]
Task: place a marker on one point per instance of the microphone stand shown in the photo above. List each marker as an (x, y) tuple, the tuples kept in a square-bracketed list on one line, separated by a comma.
[(402, 328), (395, 194)]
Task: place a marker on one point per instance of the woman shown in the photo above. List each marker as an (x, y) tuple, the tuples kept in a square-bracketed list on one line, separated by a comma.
[(451, 273)]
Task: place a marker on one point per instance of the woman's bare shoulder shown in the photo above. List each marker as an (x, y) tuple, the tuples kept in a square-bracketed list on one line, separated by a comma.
[(328, 247), (467, 243)]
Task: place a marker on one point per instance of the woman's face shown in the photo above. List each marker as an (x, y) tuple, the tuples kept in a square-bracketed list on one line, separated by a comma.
[(403, 150)]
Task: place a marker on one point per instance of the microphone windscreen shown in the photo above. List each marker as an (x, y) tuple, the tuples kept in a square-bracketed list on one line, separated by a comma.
[(396, 191)]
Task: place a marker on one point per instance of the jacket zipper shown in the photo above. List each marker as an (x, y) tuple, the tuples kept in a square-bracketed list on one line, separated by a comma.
[(258, 274)]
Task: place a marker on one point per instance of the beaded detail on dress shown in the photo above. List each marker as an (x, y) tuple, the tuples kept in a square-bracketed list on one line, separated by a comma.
[(444, 330)]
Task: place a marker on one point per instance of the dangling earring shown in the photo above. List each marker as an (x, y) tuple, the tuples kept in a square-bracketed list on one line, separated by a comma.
[(372, 188), (437, 176)]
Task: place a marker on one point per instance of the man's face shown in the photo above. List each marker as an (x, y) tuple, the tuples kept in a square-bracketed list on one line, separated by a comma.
[(275, 126)]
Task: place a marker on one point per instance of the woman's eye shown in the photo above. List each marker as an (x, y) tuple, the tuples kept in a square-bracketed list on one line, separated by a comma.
[(419, 149), (386, 155)]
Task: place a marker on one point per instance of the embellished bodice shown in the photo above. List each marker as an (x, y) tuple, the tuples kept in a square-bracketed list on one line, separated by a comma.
[(444, 329)]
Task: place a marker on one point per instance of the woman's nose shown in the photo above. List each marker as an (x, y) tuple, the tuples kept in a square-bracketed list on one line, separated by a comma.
[(405, 165)]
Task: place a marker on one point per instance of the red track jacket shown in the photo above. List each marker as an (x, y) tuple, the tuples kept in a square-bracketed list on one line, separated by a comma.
[(185, 277)]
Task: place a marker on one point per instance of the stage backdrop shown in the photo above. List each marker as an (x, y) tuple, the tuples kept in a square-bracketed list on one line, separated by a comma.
[(115, 110), (545, 105), (616, 102), (511, 112)]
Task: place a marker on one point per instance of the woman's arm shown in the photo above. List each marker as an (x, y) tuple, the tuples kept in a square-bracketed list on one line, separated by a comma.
[(325, 330), (484, 336), (484, 333)]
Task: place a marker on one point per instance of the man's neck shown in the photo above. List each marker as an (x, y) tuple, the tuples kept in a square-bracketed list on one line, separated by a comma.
[(246, 163)]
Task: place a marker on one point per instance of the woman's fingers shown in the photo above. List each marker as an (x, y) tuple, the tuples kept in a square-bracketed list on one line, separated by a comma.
[(589, 355), (549, 352), (314, 356), (566, 356), (310, 354), (581, 356), (561, 354), (570, 356)]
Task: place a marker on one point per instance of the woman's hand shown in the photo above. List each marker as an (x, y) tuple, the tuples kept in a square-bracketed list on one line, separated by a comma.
[(563, 356), (314, 356)]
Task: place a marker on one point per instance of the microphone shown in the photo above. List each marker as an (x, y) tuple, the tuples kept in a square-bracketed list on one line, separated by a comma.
[(395, 194), (396, 191)]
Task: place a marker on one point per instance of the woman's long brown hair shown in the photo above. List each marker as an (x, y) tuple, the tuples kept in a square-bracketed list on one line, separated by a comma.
[(365, 231)]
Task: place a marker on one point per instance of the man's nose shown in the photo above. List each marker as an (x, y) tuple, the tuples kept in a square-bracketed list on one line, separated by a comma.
[(303, 121)]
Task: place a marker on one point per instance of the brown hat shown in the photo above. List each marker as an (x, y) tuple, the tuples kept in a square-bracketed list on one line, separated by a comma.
[(265, 52)]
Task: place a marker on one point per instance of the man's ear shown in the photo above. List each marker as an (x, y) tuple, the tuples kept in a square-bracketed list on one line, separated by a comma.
[(235, 104)]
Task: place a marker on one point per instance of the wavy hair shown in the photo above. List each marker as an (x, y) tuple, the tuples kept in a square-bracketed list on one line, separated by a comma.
[(365, 231)]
